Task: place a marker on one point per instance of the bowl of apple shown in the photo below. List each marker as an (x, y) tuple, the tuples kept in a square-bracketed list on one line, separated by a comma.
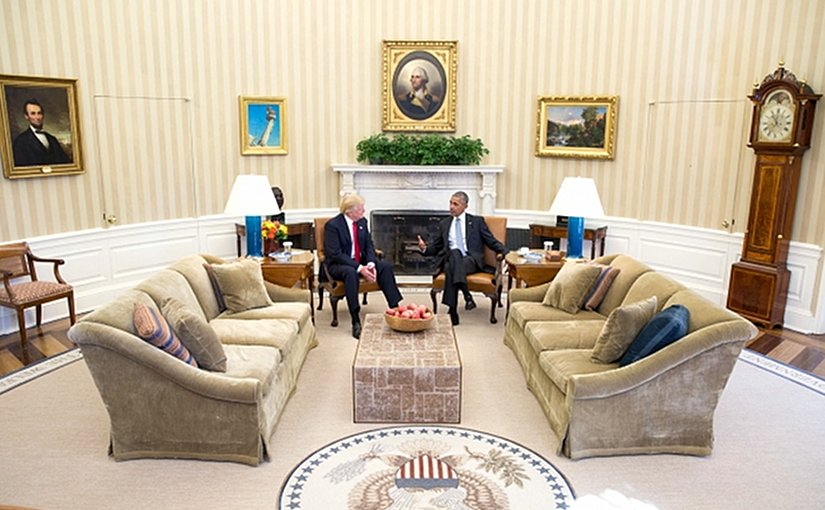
[(409, 318)]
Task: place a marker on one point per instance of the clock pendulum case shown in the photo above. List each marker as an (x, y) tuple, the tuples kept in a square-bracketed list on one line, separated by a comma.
[(783, 117)]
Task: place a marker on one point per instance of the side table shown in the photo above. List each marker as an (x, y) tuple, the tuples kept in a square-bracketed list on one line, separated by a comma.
[(299, 269), (528, 272)]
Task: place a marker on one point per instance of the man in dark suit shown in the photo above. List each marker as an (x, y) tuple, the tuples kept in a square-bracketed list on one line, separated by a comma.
[(350, 253), (459, 247), (34, 146)]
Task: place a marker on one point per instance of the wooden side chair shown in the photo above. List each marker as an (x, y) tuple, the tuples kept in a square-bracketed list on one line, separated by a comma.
[(489, 283), (16, 261), (335, 288)]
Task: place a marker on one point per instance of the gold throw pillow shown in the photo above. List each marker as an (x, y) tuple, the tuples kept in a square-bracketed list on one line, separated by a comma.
[(242, 285), (621, 328), (570, 286)]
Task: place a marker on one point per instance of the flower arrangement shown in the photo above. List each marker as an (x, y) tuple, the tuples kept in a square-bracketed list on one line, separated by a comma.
[(273, 230)]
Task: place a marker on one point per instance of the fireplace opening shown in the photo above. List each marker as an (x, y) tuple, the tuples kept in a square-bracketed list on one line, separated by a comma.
[(396, 234)]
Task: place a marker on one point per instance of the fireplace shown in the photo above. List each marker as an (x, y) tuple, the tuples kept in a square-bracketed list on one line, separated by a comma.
[(406, 201), (396, 232)]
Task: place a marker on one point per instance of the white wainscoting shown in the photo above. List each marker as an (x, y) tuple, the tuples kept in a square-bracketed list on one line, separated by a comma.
[(701, 259), (103, 263)]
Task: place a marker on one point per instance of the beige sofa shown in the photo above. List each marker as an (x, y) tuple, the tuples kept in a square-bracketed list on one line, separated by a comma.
[(663, 403), (161, 407)]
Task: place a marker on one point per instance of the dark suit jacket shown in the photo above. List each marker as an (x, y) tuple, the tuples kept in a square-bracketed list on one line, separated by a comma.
[(476, 234), (28, 151), (338, 242)]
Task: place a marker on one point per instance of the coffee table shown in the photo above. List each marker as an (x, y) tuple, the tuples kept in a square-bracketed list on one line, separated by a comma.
[(400, 377)]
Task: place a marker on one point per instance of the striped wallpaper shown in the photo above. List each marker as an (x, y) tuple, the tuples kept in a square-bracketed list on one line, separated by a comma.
[(159, 82)]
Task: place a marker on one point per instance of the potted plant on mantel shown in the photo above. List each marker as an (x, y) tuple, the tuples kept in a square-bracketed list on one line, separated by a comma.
[(427, 150)]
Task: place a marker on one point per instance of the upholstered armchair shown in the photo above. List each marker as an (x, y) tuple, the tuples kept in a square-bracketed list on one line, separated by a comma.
[(18, 261)]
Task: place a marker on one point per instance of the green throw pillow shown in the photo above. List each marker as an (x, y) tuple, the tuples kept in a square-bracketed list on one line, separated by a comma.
[(196, 334), (242, 285), (570, 286), (620, 328)]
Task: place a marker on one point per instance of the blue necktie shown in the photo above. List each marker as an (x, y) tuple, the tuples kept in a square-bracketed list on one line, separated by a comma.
[(459, 238)]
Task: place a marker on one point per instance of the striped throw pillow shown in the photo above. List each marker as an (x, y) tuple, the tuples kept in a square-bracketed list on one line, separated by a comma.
[(152, 327), (599, 290)]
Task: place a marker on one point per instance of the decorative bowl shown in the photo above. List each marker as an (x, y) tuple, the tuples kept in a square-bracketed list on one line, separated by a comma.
[(408, 325)]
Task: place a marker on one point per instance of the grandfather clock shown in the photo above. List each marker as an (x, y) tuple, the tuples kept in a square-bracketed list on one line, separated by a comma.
[(783, 117)]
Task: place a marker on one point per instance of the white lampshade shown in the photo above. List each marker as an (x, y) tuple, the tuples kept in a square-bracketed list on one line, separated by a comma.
[(251, 195), (577, 197)]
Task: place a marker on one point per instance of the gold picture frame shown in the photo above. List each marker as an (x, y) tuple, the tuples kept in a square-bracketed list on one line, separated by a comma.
[(40, 127), (419, 85), (263, 125), (576, 127)]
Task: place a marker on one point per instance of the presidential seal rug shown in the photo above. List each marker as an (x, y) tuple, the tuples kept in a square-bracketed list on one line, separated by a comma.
[(425, 467)]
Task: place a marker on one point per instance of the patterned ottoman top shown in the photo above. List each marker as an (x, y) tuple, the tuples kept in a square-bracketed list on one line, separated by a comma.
[(381, 346)]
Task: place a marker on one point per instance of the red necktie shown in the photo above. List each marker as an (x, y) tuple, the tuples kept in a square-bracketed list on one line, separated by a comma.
[(355, 242)]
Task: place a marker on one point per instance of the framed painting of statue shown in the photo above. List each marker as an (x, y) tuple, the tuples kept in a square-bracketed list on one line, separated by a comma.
[(40, 127), (576, 127), (419, 89), (263, 125)]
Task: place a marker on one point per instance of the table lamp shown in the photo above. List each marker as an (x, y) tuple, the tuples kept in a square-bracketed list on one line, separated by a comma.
[(578, 199), (252, 197)]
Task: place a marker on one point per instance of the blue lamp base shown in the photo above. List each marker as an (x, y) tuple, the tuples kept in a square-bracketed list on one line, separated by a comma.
[(254, 243), (575, 237)]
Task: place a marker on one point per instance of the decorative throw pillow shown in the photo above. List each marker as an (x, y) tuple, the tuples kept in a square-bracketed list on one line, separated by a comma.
[(664, 328), (242, 285), (600, 288), (215, 287), (152, 327), (196, 335), (620, 328), (570, 286)]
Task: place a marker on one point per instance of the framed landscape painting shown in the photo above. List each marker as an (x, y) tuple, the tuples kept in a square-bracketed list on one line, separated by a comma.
[(576, 127), (419, 85), (40, 127), (263, 125)]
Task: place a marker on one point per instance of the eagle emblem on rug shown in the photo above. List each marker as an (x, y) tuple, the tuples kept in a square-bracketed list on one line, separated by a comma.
[(423, 475)]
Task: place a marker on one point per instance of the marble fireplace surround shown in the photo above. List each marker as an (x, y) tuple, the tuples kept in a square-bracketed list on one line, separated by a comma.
[(420, 187)]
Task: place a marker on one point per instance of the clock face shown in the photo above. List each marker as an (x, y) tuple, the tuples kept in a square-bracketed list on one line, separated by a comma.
[(776, 118)]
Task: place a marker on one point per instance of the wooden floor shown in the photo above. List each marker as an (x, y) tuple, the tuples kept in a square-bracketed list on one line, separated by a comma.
[(805, 352)]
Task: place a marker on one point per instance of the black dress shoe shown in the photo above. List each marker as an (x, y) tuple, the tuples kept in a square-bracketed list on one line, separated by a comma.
[(356, 329), (454, 316), (469, 304)]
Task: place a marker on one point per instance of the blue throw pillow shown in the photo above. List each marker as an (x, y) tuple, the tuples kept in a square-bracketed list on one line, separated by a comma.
[(664, 328)]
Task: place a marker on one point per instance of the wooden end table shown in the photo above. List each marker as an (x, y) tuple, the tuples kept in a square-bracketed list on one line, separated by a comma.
[(529, 273), (297, 270), (403, 377)]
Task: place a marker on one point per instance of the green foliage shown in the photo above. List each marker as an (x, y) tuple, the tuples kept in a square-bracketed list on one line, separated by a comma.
[(429, 149)]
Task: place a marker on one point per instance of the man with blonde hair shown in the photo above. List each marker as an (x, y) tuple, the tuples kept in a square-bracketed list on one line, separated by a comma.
[(350, 254)]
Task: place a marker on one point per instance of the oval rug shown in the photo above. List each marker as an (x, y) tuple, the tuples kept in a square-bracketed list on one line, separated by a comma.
[(422, 467)]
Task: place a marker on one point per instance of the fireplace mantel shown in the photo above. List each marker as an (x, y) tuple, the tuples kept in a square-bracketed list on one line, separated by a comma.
[(420, 187)]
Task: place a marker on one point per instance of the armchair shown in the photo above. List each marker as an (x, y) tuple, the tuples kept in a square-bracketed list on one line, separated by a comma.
[(490, 284), (16, 261)]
